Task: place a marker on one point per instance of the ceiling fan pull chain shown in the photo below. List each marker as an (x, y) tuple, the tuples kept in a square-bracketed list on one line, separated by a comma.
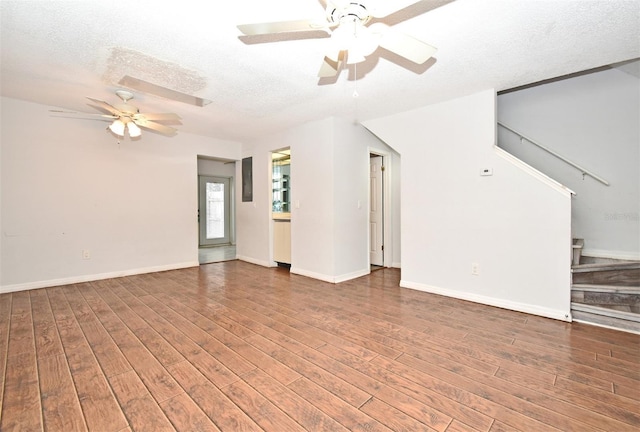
[(355, 71)]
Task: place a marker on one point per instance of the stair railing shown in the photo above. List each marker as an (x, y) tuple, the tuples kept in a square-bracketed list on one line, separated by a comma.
[(559, 156)]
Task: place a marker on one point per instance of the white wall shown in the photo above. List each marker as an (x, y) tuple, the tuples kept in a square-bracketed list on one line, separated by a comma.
[(67, 185), (594, 120), (253, 219), (353, 144), (513, 224), (309, 160), (313, 225), (329, 175)]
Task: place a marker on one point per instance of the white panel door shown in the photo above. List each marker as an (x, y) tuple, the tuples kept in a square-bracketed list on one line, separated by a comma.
[(214, 210), (376, 212)]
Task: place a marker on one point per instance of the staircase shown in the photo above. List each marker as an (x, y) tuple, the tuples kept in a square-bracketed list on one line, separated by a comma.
[(606, 292)]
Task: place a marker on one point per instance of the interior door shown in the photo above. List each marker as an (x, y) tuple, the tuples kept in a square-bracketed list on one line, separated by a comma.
[(214, 210), (376, 211)]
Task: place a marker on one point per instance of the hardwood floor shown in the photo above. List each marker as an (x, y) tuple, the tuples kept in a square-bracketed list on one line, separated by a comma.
[(236, 347)]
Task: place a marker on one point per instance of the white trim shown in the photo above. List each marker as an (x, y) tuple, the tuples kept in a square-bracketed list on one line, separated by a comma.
[(606, 326), (620, 255), (330, 279), (532, 171), (491, 301), (255, 261), (94, 277), (352, 275), (396, 265), (312, 275)]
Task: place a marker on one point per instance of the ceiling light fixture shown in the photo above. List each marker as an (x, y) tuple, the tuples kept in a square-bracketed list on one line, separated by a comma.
[(117, 127), (134, 130), (355, 38)]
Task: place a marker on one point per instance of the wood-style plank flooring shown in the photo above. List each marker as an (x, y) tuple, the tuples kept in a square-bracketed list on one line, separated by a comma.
[(236, 347)]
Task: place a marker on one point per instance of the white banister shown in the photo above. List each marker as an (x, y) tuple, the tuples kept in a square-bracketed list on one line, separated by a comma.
[(559, 156)]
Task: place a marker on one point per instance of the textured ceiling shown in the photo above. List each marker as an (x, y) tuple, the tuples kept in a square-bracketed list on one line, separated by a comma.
[(58, 52)]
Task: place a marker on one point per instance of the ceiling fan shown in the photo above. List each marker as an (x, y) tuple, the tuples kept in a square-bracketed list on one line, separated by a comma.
[(128, 117), (356, 32)]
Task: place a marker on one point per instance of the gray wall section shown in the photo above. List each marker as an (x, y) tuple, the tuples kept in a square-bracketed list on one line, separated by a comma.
[(593, 120)]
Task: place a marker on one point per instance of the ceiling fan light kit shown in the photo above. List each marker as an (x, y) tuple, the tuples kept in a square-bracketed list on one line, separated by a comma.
[(352, 39), (134, 130), (117, 127)]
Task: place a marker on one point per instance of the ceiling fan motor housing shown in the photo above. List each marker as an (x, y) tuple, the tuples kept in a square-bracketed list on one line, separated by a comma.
[(354, 11), (127, 110)]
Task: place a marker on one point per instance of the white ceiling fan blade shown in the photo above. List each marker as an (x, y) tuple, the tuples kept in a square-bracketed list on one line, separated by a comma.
[(157, 116), (82, 115), (383, 8), (404, 45), (165, 130), (328, 69), (105, 106), (282, 27), (331, 65)]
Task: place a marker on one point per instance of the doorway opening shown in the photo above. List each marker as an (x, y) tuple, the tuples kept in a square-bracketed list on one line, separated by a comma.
[(376, 211), (214, 220), (216, 210), (281, 207)]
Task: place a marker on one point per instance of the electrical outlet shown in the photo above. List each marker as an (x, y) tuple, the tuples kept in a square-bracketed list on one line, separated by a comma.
[(86, 254), (475, 269)]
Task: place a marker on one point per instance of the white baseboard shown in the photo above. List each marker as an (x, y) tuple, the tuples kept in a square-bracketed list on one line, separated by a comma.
[(93, 277), (491, 301), (327, 278), (396, 265), (620, 255), (255, 261), (350, 276), (312, 275)]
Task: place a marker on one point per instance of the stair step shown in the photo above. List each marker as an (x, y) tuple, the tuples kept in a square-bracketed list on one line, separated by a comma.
[(624, 265), (610, 275), (617, 289), (607, 294), (606, 312), (606, 317), (629, 302)]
